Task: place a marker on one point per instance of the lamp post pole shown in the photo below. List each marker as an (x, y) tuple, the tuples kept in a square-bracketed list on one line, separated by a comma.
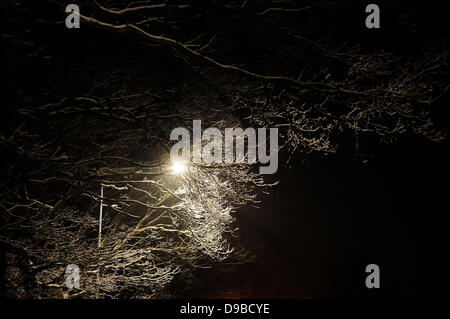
[(100, 217)]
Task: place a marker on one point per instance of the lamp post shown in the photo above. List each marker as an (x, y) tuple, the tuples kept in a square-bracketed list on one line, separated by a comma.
[(100, 217)]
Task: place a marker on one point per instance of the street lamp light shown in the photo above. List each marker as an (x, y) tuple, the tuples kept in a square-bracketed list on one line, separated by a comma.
[(178, 168)]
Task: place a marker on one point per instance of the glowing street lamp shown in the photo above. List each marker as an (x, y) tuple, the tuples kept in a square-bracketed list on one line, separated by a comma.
[(178, 168)]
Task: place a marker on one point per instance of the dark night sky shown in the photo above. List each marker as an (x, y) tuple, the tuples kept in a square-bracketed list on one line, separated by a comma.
[(330, 218)]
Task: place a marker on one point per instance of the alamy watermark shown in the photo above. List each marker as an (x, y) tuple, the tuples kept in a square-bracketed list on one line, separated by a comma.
[(210, 146), (373, 279), (73, 17), (73, 276)]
